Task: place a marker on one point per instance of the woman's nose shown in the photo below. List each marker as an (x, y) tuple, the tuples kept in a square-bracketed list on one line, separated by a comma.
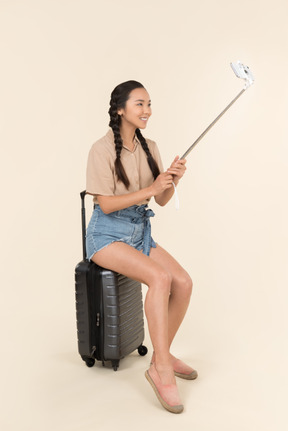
[(147, 110)]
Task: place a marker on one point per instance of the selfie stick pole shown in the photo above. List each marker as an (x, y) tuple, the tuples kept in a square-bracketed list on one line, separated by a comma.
[(211, 125), (241, 71)]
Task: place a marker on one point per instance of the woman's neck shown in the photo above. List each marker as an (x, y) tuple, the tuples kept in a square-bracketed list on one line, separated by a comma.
[(128, 135)]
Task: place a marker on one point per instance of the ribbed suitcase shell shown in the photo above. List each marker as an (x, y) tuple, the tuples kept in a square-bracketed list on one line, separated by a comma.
[(122, 315), (109, 310)]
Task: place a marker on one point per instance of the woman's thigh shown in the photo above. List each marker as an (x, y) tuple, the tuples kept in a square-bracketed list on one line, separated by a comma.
[(179, 275), (121, 257)]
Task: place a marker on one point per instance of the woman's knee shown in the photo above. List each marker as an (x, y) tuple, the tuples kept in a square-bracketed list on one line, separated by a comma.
[(189, 285), (184, 284), (161, 279)]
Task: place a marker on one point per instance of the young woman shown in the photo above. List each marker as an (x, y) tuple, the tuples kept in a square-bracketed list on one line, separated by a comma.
[(124, 172)]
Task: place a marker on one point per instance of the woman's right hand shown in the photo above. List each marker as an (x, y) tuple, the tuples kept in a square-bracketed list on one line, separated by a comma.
[(163, 182)]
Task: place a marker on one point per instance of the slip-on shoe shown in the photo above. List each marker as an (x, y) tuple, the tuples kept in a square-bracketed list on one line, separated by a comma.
[(172, 409)]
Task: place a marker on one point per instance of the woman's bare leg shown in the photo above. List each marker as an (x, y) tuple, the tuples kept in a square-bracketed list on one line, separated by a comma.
[(181, 289), (122, 258), (166, 303)]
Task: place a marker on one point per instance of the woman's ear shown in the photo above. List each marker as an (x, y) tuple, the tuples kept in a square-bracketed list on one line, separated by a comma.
[(120, 112)]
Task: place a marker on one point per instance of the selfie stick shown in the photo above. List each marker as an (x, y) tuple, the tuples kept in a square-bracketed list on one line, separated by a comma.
[(240, 71)]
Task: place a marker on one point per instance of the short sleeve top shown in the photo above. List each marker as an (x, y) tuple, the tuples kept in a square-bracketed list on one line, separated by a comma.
[(101, 176)]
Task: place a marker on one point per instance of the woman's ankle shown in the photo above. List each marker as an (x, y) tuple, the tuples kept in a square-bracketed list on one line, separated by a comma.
[(171, 359), (163, 372)]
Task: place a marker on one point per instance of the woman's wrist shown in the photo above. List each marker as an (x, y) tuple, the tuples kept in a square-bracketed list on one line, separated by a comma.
[(150, 192)]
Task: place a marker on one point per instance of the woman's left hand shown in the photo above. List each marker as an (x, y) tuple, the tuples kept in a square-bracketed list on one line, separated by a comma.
[(177, 169)]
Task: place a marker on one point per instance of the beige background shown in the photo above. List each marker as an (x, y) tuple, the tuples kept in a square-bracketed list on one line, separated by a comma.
[(59, 62)]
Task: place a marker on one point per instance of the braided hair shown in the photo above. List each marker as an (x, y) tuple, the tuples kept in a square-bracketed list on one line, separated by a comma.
[(119, 97)]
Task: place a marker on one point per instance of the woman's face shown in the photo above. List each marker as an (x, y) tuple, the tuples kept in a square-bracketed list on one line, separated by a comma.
[(137, 109)]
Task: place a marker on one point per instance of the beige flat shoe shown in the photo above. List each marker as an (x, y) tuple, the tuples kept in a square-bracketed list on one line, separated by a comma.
[(192, 376), (172, 409)]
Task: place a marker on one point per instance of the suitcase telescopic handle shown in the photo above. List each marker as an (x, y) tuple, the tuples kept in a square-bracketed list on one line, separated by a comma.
[(83, 218)]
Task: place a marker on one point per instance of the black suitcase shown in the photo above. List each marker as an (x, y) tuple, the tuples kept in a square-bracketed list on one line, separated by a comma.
[(109, 311)]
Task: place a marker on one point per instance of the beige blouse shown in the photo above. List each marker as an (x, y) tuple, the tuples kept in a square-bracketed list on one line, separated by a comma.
[(101, 177)]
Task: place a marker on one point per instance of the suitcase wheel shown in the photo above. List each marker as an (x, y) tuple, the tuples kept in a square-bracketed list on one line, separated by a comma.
[(89, 362), (142, 350), (115, 365)]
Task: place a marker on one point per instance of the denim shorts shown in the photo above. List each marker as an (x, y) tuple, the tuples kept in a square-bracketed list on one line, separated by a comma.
[(130, 225)]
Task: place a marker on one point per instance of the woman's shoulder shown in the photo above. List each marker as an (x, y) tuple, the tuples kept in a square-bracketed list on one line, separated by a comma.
[(153, 147), (151, 143), (154, 150), (104, 144)]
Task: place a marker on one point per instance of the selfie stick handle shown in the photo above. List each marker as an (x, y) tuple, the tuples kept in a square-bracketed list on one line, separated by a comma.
[(211, 125)]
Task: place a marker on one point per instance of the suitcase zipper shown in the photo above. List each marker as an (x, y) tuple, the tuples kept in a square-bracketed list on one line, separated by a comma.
[(95, 310), (99, 327), (94, 348), (97, 347)]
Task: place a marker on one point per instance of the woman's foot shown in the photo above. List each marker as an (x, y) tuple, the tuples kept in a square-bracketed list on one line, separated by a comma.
[(181, 369), (165, 388)]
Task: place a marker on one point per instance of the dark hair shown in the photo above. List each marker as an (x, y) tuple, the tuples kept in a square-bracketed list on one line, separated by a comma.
[(119, 97)]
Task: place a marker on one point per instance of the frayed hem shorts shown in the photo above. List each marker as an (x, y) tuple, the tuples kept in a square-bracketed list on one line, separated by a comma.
[(130, 225)]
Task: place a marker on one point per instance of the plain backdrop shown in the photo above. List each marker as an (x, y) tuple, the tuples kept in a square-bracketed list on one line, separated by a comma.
[(60, 60)]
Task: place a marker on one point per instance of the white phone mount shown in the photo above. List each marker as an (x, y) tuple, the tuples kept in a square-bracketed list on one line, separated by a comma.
[(243, 72)]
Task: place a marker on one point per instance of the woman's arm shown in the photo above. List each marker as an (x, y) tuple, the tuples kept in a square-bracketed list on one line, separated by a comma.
[(110, 204), (177, 170)]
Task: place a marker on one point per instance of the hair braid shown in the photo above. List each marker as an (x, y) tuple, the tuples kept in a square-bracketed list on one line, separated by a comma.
[(151, 161), (115, 125)]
